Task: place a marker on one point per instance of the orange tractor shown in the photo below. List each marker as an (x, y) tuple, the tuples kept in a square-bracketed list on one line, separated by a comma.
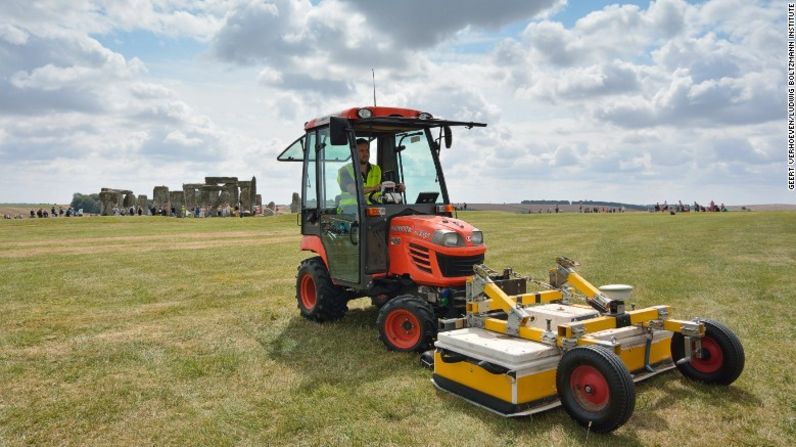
[(501, 347), (401, 246)]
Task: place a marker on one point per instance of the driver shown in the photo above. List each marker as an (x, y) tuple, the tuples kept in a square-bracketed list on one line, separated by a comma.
[(371, 178)]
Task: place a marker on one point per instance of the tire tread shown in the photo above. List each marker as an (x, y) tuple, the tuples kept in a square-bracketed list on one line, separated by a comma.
[(332, 301), (733, 354), (623, 391), (424, 313)]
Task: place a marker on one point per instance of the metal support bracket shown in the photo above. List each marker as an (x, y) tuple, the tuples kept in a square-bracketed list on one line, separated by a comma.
[(448, 324), (691, 329), (475, 321), (577, 330)]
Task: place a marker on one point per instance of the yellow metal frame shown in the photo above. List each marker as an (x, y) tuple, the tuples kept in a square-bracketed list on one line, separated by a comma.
[(570, 334)]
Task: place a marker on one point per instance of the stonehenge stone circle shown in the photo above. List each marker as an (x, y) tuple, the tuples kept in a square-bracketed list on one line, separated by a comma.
[(212, 195)]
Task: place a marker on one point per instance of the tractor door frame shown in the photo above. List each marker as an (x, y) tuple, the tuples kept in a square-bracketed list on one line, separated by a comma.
[(310, 223), (337, 228)]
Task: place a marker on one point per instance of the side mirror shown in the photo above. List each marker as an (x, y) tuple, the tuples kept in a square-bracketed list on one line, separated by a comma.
[(448, 136), (338, 131)]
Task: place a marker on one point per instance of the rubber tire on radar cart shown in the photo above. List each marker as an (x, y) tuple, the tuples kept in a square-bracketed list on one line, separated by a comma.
[(407, 324), (318, 298), (723, 355), (595, 388)]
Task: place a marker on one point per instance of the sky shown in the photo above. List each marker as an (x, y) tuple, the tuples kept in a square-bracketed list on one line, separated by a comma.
[(636, 102)]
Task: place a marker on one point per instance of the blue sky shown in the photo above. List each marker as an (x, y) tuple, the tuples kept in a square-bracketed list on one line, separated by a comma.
[(151, 47), (639, 101)]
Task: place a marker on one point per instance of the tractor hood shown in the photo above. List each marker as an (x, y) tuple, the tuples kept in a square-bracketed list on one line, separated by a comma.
[(434, 250)]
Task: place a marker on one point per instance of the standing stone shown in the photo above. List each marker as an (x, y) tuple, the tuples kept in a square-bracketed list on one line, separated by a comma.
[(246, 202), (129, 200), (248, 195), (211, 196), (234, 193), (177, 200), (192, 195), (143, 203), (253, 192), (295, 203), (160, 198), (106, 202)]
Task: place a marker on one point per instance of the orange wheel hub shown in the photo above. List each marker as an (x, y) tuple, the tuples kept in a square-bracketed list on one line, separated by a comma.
[(307, 292), (402, 329)]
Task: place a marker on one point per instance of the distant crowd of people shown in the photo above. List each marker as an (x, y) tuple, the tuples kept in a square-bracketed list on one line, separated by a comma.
[(685, 208), (224, 210), (599, 209), (60, 212)]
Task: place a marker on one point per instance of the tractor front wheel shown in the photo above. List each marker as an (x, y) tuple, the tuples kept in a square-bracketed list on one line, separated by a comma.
[(406, 324), (318, 298), (721, 359), (595, 388)]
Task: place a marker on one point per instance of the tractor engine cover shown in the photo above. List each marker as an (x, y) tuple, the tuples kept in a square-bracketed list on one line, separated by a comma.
[(433, 250)]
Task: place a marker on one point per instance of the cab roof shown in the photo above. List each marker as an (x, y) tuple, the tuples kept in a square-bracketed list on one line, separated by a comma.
[(376, 112)]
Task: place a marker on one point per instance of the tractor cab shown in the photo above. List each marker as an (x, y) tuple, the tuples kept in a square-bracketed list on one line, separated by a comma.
[(381, 241)]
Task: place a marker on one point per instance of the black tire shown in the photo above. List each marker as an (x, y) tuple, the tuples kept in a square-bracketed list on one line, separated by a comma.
[(595, 388), (723, 355), (317, 297), (407, 324)]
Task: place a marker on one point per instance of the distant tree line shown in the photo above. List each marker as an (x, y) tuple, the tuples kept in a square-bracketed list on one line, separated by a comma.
[(90, 203)]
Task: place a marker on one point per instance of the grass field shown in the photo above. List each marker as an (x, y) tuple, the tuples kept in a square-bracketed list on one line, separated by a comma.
[(156, 331)]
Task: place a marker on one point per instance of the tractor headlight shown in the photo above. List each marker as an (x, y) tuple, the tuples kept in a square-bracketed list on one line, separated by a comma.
[(477, 237), (364, 113), (447, 238), (424, 116)]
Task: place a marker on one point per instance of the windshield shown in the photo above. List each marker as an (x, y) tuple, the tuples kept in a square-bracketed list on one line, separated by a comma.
[(416, 168)]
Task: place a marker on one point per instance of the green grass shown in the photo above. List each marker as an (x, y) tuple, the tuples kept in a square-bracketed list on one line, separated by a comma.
[(153, 331)]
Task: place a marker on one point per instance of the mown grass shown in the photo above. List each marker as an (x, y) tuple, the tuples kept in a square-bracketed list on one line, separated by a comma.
[(142, 331)]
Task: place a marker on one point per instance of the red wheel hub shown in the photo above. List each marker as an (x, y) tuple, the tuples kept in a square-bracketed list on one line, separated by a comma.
[(589, 388), (711, 359), (402, 329), (307, 292)]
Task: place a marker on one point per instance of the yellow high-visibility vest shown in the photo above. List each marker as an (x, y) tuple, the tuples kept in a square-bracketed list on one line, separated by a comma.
[(346, 199)]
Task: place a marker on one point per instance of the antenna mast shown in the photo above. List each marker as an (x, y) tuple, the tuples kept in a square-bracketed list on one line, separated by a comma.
[(373, 73)]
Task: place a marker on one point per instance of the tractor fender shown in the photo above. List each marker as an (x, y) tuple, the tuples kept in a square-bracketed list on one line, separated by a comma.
[(313, 243)]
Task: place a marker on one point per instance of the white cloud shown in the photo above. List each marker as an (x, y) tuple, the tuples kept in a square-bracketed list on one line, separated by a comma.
[(12, 34), (420, 24), (180, 138), (269, 76), (628, 103), (748, 99)]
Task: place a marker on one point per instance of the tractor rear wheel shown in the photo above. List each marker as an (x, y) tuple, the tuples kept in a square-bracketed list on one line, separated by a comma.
[(318, 298), (595, 388), (721, 360), (406, 324)]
